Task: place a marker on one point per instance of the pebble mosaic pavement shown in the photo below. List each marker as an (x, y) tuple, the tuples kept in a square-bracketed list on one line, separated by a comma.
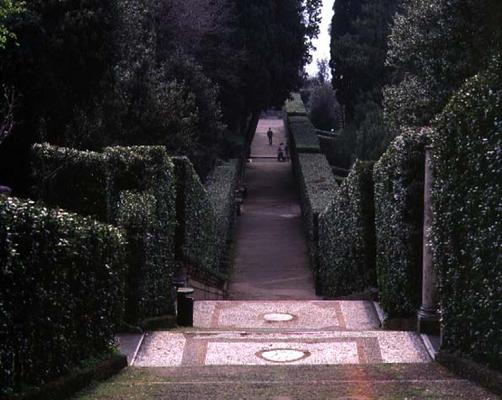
[(320, 333)]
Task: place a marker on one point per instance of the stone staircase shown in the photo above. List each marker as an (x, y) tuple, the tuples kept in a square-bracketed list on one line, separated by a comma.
[(284, 350)]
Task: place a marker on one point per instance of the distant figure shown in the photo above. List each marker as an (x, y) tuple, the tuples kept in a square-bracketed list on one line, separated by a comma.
[(270, 134), (280, 153), (286, 151)]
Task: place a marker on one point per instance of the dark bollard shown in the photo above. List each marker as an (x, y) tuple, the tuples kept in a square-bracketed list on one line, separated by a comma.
[(184, 316)]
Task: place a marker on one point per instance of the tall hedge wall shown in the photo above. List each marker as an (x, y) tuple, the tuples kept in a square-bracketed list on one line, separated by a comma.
[(398, 177), (61, 291), (303, 137), (295, 105), (197, 238), (220, 186), (71, 179), (114, 186), (317, 187), (467, 204), (347, 235)]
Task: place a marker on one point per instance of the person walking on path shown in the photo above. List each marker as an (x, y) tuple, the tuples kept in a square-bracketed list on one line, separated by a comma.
[(280, 153), (286, 151), (270, 134)]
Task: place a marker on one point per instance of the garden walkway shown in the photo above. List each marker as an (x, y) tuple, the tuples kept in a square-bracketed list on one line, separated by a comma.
[(271, 260), (275, 340)]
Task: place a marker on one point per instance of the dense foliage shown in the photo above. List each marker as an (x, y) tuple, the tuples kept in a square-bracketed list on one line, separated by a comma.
[(358, 52), (141, 197), (62, 291), (467, 228), (317, 188), (90, 74), (197, 236), (324, 110), (295, 106), (130, 187), (71, 179), (347, 236), (221, 185), (398, 177), (302, 135), (434, 47)]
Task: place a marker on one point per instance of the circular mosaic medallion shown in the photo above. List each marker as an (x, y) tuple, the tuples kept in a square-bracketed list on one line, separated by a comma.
[(278, 317), (283, 355)]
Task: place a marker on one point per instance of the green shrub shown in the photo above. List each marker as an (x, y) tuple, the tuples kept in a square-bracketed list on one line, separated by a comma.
[(141, 198), (317, 189), (104, 189), (220, 186), (71, 179), (61, 291), (303, 137), (347, 236), (398, 177), (295, 105), (197, 239), (467, 223)]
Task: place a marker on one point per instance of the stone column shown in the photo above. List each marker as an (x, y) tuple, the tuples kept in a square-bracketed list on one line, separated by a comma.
[(428, 318)]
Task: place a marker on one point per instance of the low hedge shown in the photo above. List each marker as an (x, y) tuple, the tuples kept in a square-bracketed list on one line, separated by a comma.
[(467, 204), (398, 177), (347, 236), (71, 179), (108, 181), (295, 105), (197, 237), (317, 187), (303, 137), (61, 291), (220, 186)]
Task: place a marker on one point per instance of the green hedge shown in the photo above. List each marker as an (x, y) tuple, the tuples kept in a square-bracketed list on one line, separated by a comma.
[(317, 187), (61, 291), (197, 238), (71, 179), (108, 181), (347, 236), (220, 186), (467, 204), (398, 177), (295, 105), (303, 137)]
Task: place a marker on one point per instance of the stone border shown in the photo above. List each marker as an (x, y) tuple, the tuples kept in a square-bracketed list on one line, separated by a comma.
[(67, 385), (469, 369)]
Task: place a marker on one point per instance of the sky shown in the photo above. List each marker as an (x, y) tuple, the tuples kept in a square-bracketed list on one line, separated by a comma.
[(323, 41)]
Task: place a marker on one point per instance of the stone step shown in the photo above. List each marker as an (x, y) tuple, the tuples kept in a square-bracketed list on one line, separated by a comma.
[(276, 315), (203, 348), (349, 382)]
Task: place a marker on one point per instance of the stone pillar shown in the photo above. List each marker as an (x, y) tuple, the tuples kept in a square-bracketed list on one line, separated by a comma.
[(428, 318)]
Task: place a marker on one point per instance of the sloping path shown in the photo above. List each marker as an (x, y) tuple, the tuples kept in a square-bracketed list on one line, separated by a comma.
[(271, 259)]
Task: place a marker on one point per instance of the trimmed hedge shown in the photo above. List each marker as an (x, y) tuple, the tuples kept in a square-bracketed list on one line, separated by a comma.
[(114, 187), (467, 204), (71, 179), (347, 236), (303, 136), (398, 177), (197, 241), (295, 105), (318, 187), (220, 186), (62, 291)]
